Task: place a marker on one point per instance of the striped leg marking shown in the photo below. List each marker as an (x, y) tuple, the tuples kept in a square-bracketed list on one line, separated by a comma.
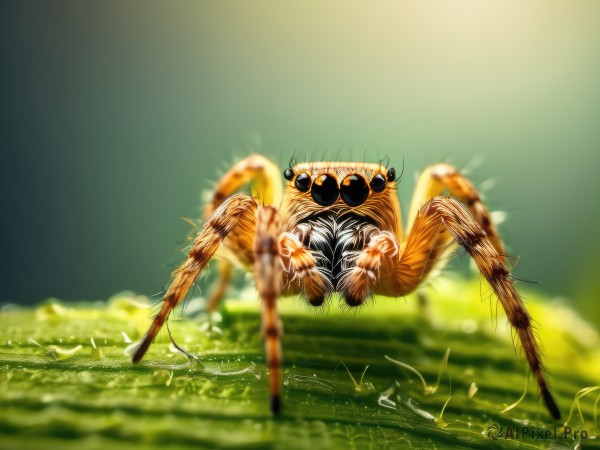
[(263, 176), (357, 282), (452, 216), (301, 265), (236, 211), (267, 273), (441, 177)]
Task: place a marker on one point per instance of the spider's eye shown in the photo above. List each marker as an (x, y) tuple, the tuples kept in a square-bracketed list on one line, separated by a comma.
[(302, 182), (288, 174), (354, 190), (378, 183), (325, 190), (391, 174)]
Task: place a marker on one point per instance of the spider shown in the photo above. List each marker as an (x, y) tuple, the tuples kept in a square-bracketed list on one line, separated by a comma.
[(336, 228)]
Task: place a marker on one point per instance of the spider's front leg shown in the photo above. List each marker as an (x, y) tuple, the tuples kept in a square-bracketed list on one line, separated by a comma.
[(441, 177), (267, 274), (301, 272), (449, 215), (262, 176), (237, 213), (357, 282)]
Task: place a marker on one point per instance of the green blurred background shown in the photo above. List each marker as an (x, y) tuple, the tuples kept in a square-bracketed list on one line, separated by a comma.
[(115, 116)]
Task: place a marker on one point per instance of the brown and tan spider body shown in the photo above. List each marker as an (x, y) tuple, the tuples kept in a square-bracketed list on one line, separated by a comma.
[(336, 229)]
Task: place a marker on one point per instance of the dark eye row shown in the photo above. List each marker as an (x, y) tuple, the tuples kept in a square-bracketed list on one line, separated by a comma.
[(325, 189)]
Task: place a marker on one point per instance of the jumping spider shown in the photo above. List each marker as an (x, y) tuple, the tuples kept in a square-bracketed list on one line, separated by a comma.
[(336, 228)]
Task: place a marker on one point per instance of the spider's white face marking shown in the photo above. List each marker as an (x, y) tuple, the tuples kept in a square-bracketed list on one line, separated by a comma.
[(335, 241)]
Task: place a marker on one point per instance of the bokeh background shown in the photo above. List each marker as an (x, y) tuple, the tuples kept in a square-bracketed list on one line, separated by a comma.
[(115, 116)]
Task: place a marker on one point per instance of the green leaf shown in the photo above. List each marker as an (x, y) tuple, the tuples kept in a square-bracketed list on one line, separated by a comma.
[(66, 382)]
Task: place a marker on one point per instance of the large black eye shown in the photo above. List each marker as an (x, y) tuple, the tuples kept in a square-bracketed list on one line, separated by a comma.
[(391, 174), (378, 183), (325, 190), (354, 190), (302, 182), (288, 174)]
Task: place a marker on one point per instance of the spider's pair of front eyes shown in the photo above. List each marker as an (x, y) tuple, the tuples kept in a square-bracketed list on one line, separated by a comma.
[(325, 189)]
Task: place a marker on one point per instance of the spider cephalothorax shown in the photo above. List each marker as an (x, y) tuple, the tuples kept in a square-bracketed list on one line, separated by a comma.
[(335, 210), (336, 228)]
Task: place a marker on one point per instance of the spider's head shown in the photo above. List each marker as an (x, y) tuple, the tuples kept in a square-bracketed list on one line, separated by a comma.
[(345, 184), (363, 189)]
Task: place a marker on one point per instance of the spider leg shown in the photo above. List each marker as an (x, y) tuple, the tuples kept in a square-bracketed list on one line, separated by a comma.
[(443, 177), (300, 270), (263, 177), (220, 288), (235, 214), (415, 258), (256, 170), (356, 284), (267, 273)]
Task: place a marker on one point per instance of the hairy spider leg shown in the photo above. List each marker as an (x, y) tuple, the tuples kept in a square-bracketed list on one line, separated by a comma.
[(301, 274), (219, 289), (267, 274), (357, 283), (263, 176), (415, 259), (443, 177), (237, 215), (435, 180)]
